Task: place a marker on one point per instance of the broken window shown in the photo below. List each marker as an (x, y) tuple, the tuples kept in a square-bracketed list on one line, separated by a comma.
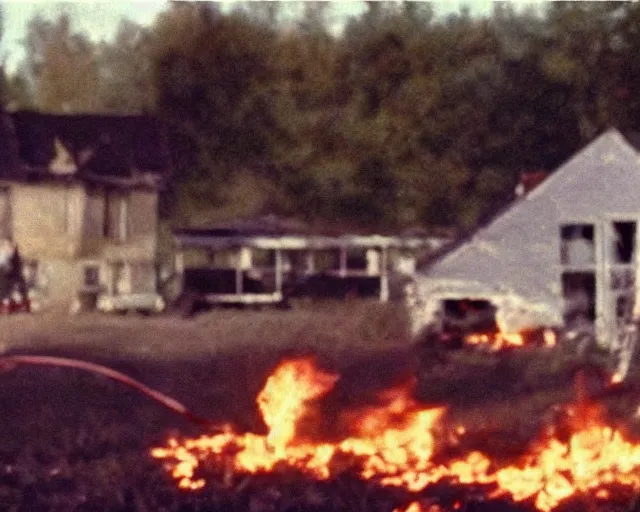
[(115, 219), (327, 259), (579, 292), (624, 306), (621, 267), (577, 244), (91, 276), (622, 278), (356, 259), (624, 235)]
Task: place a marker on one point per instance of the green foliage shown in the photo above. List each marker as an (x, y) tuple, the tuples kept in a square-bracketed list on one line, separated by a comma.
[(405, 119), (61, 66)]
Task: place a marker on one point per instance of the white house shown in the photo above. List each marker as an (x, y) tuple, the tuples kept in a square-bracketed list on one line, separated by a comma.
[(566, 249)]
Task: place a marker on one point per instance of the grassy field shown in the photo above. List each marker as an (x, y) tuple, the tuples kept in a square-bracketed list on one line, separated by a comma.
[(70, 440), (329, 327)]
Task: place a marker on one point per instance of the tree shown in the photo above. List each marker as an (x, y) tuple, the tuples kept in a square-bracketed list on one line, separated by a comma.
[(125, 71), (403, 119), (17, 91), (61, 66), (209, 73), (4, 89)]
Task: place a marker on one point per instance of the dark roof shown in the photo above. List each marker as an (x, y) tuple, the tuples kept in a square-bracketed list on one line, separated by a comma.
[(266, 225), (101, 146)]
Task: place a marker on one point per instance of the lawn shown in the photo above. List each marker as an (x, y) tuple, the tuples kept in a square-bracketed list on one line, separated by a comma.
[(72, 440)]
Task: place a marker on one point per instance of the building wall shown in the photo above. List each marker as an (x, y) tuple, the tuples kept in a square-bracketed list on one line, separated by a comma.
[(47, 219), (518, 255), (5, 212), (57, 283), (61, 229), (143, 277), (139, 242)]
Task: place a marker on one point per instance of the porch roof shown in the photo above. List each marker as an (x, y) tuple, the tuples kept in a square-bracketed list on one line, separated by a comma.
[(203, 239)]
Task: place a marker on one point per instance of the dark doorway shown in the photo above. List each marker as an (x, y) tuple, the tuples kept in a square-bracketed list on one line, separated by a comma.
[(579, 293)]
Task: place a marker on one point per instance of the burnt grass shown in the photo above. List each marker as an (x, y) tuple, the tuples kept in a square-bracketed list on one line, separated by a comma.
[(75, 441)]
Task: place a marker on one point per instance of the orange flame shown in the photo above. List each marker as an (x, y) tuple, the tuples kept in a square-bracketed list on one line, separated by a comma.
[(394, 443), (496, 341), (502, 339), (415, 506), (282, 401)]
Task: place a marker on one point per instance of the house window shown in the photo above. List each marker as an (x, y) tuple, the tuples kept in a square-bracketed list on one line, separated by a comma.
[(621, 268), (578, 273), (116, 216), (579, 291), (91, 276), (577, 245), (623, 243)]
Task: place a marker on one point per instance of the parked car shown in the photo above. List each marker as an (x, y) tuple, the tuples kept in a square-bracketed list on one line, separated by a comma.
[(146, 303)]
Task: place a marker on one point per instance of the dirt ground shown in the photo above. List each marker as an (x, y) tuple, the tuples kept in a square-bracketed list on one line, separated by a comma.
[(71, 440)]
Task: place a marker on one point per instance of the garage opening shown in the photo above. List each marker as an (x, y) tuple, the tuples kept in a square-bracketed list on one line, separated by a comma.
[(469, 315)]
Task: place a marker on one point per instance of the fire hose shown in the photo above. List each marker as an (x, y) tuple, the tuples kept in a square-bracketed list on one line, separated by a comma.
[(8, 362)]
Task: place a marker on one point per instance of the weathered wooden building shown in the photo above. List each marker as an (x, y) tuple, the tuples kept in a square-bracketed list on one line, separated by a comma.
[(567, 249), (266, 260), (79, 198)]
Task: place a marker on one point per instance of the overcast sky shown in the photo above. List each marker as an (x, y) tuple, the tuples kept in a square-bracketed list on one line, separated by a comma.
[(100, 19)]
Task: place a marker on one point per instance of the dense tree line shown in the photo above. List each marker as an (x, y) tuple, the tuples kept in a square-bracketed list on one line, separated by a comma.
[(404, 119)]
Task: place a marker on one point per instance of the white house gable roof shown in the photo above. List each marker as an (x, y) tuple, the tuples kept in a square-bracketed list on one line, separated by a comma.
[(520, 248)]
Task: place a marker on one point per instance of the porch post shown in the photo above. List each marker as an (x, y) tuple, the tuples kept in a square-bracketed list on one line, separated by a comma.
[(343, 261), (178, 268), (278, 271), (239, 271), (384, 276), (310, 267), (604, 310)]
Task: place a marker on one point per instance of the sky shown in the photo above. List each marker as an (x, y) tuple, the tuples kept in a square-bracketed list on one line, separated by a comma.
[(100, 19)]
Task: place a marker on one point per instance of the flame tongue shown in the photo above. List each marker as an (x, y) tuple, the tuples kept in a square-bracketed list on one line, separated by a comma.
[(282, 401)]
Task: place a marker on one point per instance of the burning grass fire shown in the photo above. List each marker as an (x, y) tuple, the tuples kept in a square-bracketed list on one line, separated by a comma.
[(499, 340), (400, 443)]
